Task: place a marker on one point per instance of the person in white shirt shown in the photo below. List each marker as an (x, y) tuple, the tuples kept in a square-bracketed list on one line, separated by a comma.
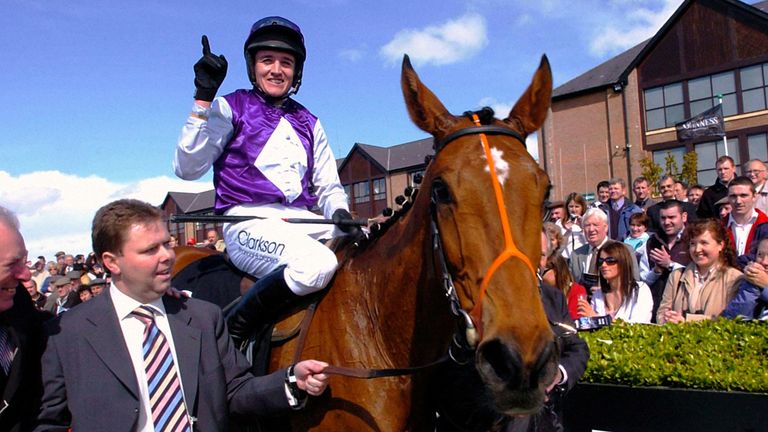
[(620, 295), (746, 224)]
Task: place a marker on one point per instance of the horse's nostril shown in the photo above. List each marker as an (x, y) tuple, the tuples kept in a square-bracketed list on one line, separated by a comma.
[(542, 365), (505, 363)]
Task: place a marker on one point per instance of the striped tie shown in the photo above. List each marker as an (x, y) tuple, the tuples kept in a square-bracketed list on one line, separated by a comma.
[(7, 350), (165, 397)]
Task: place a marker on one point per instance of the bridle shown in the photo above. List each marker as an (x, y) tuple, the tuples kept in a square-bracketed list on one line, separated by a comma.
[(465, 343)]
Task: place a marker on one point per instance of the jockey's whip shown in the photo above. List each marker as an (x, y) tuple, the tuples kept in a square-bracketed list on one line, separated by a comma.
[(236, 219)]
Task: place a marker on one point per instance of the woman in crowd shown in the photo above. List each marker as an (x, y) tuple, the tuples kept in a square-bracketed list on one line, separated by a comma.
[(557, 274), (704, 288), (572, 233), (554, 236), (620, 295)]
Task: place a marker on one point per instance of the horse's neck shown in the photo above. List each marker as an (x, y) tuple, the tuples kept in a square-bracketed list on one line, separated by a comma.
[(397, 277)]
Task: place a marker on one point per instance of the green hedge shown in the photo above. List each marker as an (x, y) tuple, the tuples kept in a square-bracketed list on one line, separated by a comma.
[(713, 355)]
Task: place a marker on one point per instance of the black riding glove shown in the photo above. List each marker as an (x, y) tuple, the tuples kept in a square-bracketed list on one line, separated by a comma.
[(210, 72), (342, 219)]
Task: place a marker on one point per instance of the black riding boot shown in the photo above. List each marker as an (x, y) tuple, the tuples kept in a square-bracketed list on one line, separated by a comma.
[(260, 306)]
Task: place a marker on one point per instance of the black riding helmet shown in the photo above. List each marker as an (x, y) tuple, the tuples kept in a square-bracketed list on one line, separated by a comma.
[(280, 34)]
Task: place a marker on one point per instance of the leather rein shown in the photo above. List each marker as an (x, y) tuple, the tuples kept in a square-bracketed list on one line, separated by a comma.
[(464, 343)]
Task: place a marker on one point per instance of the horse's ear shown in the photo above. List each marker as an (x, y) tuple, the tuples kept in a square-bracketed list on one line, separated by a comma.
[(530, 111), (425, 109)]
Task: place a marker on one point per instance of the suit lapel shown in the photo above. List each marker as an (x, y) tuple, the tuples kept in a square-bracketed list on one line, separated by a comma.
[(186, 340), (106, 338)]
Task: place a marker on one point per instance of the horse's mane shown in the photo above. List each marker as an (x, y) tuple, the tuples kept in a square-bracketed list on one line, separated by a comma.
[(348, 247)]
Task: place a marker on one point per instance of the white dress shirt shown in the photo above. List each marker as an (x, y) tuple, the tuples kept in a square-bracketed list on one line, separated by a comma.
[(741, 232), (133, 334)]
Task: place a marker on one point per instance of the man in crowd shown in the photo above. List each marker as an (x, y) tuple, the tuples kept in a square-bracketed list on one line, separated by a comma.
[(619, 209), (681, 191), (556, 211), (37, 298), (746, 224), (642, 191), (756, 171), (666, 250), (583, 261), (603, 195), (39, 272), (726, 170), (694, 194), (66, 296), (21, 337), (206, 377), (667, 189)]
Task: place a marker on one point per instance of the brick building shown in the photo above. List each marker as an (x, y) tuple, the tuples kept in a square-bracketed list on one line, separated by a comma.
[(603, 122)]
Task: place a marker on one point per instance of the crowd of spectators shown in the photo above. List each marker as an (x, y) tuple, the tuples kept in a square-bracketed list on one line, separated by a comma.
[(685, 253), (68, 280)]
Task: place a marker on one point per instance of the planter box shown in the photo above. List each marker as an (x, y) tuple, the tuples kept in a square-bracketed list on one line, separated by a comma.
[(620, 408)]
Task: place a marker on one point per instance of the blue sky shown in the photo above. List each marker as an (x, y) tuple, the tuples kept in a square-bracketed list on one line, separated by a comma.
[(96, 91)]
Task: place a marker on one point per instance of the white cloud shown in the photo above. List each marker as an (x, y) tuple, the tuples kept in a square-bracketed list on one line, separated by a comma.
[(631, 28), (352, 55), (451, 42), (55, 209), (500, 109)]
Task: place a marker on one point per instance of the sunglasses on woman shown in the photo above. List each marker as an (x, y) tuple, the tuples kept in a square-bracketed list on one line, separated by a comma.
[(608, 260)]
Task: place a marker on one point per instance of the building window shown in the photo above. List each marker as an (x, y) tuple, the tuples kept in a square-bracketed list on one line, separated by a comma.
[(758, 146), (707, 154), (664, 106), (379, 189), (753, 87), (703, 93), (348, 191), (362, 192)]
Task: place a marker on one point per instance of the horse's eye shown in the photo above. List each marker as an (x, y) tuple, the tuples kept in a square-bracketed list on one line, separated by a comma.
[(441, 194)]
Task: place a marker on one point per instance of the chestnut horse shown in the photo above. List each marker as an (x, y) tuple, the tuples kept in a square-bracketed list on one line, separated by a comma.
[(387, 307), (471, 235)]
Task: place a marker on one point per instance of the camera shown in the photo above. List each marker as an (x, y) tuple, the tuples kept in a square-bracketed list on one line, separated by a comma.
[(593, 323)]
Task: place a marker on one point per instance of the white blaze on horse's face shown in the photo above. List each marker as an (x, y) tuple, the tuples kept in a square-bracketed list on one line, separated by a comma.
[(502, 166)]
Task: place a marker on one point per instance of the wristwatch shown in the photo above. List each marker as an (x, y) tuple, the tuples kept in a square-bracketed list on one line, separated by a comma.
[(292, 386)]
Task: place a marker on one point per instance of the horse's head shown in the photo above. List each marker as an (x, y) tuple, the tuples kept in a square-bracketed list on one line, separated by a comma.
[(490, 229)]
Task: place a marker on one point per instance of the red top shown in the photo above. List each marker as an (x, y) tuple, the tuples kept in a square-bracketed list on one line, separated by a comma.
[(573, 299)]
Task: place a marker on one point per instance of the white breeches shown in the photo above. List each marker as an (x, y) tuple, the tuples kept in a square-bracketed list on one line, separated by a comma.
[(259, 246)]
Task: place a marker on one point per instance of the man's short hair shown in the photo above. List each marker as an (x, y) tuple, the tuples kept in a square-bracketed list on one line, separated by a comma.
[(743, 181), (664, 178), (618, 180), (595, 213), (666, 205), (8, 218), (751, 161), (722, 159), (602, 184), (112, 222), (696, 186), (640, 179)]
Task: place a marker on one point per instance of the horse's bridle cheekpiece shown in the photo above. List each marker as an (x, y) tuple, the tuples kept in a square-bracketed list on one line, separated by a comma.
[(472, 320)]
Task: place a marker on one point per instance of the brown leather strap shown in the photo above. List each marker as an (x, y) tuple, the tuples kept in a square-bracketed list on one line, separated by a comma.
[(380, 373), (353, 372)]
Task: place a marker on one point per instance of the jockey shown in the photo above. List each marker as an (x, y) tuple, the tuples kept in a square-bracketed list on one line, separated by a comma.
[(271, 159)]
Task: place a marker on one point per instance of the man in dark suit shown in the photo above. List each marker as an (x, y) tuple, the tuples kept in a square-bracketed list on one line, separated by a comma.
[(666, 187), (21, 336), (96, 352)]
